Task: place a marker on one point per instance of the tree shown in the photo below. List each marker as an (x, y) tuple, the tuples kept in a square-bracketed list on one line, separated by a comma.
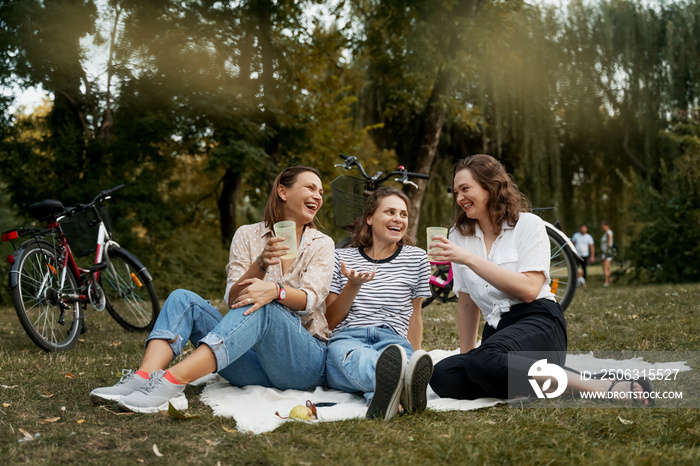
[(415, 55), (667, 247)]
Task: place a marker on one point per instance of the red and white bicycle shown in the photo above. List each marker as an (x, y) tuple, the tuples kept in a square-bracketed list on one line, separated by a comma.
[(51, 292)]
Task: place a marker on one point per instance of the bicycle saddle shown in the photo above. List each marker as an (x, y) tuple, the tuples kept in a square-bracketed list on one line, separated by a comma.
[(47, 209)]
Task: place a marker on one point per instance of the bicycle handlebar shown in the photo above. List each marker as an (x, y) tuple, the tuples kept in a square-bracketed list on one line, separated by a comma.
[(106, 194), (418, 175), (101, 196), (351, 161)]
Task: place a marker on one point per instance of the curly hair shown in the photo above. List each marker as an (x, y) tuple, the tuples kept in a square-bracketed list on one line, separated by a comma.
[(505, 201), (362, 237)]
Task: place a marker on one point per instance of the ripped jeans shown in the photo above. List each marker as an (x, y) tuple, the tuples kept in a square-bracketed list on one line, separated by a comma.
[(269, 347), (352, 357)]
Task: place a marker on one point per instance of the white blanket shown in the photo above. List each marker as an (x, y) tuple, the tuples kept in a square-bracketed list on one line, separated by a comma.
[(254, 407)]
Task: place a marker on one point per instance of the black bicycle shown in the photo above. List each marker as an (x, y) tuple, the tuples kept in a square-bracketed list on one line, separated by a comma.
[(51, 292), (350, 193)]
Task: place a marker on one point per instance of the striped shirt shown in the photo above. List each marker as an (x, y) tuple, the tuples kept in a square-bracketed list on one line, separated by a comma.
[(386, 299)]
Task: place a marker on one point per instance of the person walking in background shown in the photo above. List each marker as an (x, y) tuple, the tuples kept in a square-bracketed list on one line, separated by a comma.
[(607, 251), (585, 246)]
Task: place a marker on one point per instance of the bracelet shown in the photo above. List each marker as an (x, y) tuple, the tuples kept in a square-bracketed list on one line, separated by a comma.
[(260, 265)]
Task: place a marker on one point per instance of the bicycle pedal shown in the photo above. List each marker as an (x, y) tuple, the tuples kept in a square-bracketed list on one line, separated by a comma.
[(98, 267)]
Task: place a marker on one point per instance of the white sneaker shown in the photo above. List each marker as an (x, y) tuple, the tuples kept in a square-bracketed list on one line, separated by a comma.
[(154, 397), (388, 382), (414, 396), (128, 384)]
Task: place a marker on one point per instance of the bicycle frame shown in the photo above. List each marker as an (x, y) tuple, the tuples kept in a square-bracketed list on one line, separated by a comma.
[(103, 242), (437, 281)]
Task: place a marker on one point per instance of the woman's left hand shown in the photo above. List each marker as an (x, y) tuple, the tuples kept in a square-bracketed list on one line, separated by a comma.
[(256, 293)]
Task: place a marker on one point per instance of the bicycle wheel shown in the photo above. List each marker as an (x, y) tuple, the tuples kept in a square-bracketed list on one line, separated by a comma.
[(442, 294), (562, 269), (50, 315), (131, 297)]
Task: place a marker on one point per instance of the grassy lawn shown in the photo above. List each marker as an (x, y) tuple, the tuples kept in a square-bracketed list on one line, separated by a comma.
[(35, 387)]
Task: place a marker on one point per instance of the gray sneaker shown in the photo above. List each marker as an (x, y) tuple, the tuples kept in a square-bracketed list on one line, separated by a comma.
[(154, 397), (388, 382), (414, 396), (128, 384)]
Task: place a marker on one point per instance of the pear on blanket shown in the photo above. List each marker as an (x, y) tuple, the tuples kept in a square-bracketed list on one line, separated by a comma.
[(301, 412), (305, 413)]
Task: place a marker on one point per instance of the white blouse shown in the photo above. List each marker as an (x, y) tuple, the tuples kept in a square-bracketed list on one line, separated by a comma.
[(522, 248), (310, 272)]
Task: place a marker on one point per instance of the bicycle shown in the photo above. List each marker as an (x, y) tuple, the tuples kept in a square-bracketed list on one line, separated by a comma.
[(562, 270), (350, 192), (51, 292)]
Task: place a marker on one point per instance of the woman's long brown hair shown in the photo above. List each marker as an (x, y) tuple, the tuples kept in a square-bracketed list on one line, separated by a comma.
[(505, 201)]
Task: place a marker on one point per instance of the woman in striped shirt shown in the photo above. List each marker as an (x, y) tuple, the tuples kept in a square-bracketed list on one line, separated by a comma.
[(374, 309)]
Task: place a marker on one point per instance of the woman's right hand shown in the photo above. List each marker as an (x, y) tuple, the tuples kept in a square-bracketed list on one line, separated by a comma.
[(354, 277), (272, 252), (450, 251)]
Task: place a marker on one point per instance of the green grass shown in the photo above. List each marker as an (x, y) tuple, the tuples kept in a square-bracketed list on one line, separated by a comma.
[(34, 387)]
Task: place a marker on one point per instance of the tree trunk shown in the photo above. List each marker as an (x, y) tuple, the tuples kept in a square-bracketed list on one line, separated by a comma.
[(428, 138), (227, 205)]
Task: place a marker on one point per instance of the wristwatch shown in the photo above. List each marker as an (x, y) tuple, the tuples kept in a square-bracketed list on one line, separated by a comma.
[(283, 292)]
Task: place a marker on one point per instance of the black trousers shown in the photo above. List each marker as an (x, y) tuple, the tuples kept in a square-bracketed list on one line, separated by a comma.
[(584, 265), (483, 372)]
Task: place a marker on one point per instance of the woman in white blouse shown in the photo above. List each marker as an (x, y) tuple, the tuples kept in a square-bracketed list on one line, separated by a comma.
[(500, 258), (275, 332)]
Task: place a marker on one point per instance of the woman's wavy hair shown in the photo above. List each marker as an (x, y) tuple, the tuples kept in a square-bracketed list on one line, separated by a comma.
[(362, 237), (274, 209), (505, 201)]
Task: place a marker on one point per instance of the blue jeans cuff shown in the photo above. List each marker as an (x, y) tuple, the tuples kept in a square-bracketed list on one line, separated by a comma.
[(217, 346), (175, 341)]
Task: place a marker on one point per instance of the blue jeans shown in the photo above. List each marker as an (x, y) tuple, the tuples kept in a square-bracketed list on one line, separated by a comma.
[(269, 347), (352, 357)]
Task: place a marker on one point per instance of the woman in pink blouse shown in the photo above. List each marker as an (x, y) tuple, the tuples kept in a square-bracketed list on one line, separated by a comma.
[(275, 332)]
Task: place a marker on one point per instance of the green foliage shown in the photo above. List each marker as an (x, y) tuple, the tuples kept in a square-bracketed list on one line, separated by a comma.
[(667, 245), (200, 104)]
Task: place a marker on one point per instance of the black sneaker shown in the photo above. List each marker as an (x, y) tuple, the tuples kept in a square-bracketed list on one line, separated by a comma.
[(388, 382), (414, 396)]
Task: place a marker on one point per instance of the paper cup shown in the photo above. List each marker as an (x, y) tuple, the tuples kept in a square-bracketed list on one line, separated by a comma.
[(434, 231), (288, 231)]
